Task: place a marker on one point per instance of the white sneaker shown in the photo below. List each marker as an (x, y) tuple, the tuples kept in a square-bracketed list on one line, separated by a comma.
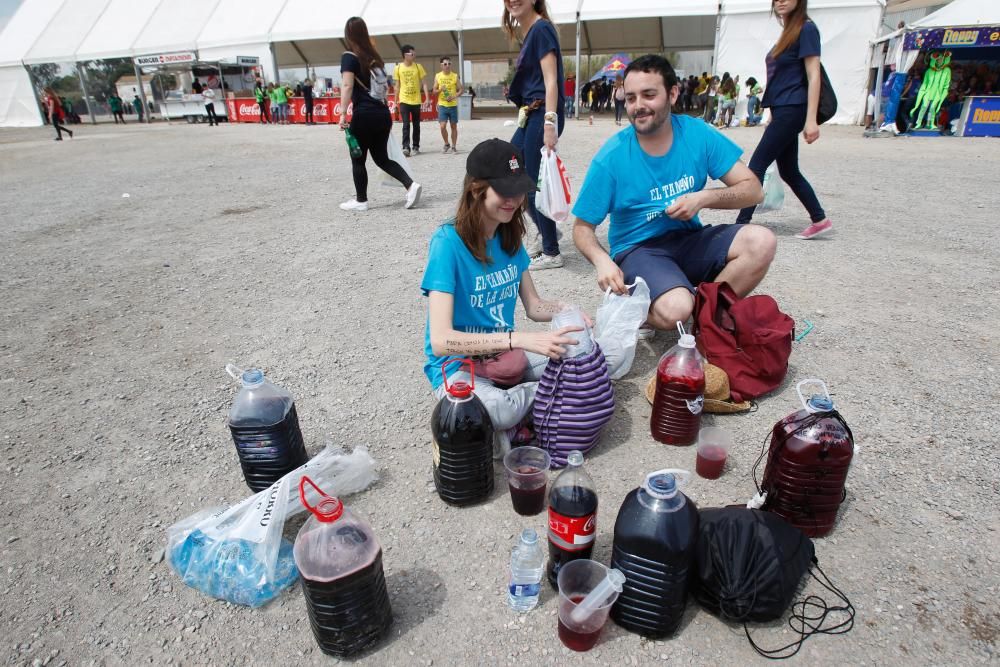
[(354, 205), (535, 247), (543, 262), (646, 332), (413, 195)]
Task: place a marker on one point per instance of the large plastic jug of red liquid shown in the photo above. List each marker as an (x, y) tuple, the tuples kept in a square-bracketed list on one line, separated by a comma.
[(680, 393), (656, 533), (462, 442), (340, 561), (807, 463)]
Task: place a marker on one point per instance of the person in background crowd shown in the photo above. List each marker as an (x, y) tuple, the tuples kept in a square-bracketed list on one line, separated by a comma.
[(196, 86), (701, 92), (411, 78), (307, 101), (477, 254), (619, 95), (569, 93), (711, 96), (792, 95), (472, 99), (365, 86), (209, 94), (263, 102), (116, 103), (137, 106), (753, 102), (54, 108), (728, 105), (654, 230), (447, 87), (537, 89)]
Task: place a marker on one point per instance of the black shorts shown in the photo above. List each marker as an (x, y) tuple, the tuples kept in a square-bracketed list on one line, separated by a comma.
[(682, 258)]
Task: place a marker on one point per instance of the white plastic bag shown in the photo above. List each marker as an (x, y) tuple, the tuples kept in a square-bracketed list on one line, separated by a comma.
[(554, 191), (237, 553), (396, 155), (617, 326), (774, 192)]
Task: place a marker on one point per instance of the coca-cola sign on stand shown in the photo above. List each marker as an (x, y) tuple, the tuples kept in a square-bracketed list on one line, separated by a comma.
[(325, 110)]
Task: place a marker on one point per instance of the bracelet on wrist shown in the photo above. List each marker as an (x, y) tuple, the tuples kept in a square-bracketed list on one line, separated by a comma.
[(510, 340), (549, 123)]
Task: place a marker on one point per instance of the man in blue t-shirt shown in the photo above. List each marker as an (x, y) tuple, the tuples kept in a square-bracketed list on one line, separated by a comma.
[(651, 179)]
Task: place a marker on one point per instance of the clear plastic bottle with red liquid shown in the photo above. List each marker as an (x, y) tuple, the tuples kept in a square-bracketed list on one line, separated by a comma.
[(462, 442), (572, 516), (680, 393), (807, 463), (340, 561), (656, 533)]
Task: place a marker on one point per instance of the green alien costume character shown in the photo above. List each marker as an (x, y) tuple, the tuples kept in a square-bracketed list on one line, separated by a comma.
[(933, 91)]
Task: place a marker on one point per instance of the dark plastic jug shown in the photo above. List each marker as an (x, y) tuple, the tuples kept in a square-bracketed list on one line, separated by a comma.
[(656, 533), (807, 463), (462, 442)]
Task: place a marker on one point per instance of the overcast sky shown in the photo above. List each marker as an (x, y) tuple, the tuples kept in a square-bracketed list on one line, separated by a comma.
[(7, 9)]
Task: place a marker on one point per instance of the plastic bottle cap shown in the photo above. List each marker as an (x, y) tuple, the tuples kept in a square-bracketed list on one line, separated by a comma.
[(820, 403), (529, 536), (574, 458), (460, 389), (686, 340), (252, 377), (661, 485), (328, 510)]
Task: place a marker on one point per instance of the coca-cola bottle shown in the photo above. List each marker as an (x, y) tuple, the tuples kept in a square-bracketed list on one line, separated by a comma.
[(572, 516), (680, 390)]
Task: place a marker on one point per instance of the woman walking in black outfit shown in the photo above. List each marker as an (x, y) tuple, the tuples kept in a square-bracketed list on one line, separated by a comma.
[(792, 94), (364, 83)]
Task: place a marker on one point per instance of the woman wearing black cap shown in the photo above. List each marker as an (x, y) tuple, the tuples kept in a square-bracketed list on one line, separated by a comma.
[(476, 271)]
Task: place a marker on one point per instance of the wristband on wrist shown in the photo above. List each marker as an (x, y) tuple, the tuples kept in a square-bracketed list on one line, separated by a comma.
[(510, 340), (550, 123), (551, 115)]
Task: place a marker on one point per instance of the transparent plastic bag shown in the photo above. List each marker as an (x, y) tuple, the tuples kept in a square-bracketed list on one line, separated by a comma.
[(554, 192), (774, 192), (237, 553), (618, 322), (396, 155)]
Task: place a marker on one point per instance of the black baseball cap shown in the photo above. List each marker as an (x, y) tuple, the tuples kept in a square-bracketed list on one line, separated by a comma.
[(501, 164)]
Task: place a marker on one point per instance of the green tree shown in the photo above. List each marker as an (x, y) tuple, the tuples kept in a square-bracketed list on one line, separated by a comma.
[(44, 74), (103, 74)]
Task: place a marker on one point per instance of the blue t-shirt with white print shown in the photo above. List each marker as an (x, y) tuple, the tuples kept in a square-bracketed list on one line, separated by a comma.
[(485, 294), (636, 188)]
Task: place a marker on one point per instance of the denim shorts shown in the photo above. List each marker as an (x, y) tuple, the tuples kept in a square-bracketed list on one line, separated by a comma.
[(448, 114), (681, 258)]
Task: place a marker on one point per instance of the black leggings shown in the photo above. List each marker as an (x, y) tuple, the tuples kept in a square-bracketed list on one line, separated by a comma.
[(780, 144), (309, 112), (265, 117), (60, 129), (371, 128), (117, 115)]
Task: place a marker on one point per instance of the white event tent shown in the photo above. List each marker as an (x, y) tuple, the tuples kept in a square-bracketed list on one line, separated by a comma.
[(294, 33), (747, 31)]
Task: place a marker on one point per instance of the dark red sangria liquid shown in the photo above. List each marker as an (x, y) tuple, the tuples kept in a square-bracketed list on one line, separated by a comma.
[(710, 462), (528, 502), (578, 641), (672, 421)]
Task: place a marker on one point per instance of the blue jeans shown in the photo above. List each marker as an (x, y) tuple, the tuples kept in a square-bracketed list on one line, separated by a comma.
[(780, 144), (569, 107), (530, 140), (752, 116)]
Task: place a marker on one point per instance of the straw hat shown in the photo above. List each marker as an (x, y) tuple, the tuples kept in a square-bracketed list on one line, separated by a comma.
[(717, 398)]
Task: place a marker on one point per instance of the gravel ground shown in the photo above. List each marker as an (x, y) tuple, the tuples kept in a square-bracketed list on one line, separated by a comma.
[(120, 313)]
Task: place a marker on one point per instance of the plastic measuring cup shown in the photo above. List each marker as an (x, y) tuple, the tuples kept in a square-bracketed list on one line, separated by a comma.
[(577, 580), (571, 316), (527, 471), (713, 450)]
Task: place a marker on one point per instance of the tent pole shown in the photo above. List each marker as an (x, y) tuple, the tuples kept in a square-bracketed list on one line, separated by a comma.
[(878, 96), (576, 85), (142, 93), (715, 46), (461, 59), (86, 96)]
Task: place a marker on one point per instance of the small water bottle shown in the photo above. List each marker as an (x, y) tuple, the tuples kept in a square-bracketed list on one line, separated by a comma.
[(527, 565)]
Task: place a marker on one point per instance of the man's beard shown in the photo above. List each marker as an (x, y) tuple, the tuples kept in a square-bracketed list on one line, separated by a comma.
[(656, 124)]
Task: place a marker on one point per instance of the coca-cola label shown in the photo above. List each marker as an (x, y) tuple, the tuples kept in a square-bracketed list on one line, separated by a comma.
[(578, 531), (249, 110), (696, 405)]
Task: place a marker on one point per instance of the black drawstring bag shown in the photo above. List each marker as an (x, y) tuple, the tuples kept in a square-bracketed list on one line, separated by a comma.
[(748, 565)]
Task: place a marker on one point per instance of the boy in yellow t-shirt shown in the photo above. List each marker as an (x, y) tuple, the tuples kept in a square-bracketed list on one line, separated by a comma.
[(447, 87), (411, 77)]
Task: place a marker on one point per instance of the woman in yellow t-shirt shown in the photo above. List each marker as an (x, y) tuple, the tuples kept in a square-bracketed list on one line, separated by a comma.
[(446, 87)]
